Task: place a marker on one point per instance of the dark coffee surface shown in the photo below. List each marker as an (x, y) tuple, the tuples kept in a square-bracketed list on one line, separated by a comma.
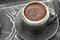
[(35, 11)]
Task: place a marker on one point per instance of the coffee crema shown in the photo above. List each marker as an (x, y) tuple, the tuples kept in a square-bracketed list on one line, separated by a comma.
[(35, 11)]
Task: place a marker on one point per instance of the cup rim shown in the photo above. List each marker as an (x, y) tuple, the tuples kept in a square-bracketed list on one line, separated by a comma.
[(39, 21)]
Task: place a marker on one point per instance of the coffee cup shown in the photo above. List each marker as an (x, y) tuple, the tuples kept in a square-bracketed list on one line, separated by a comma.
[(35, 13)]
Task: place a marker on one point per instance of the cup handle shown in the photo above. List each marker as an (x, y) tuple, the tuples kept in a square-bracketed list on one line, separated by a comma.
[(52, 18)]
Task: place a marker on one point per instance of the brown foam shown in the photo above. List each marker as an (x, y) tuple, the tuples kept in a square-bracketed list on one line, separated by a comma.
[(35, 11)]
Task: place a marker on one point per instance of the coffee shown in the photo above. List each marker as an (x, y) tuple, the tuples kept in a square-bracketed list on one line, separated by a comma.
[(35, 11)]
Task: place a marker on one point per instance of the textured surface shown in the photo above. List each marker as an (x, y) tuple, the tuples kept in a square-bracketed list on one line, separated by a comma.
[(56, 5)]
